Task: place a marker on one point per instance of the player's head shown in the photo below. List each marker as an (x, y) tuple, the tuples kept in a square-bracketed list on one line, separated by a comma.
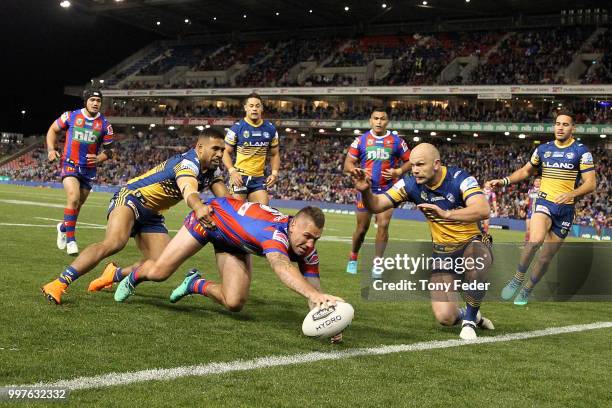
[(379, 121), (564, 125), (426, 164), (253, 107), (209, 148), (92, 99), (305, 229), (537, 182)]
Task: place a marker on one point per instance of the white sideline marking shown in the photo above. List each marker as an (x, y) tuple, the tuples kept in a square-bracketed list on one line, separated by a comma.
[(60, 220), (10, 224), (160, 374), (41, 204)]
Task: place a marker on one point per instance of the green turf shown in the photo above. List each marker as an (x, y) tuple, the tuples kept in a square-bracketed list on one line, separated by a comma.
[(90, 334)]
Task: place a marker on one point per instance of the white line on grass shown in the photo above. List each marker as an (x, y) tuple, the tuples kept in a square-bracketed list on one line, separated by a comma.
[(160, 374), (60, 220), (41, 204)]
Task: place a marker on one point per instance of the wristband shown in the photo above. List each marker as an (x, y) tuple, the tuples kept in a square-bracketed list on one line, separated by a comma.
[(506, 181)]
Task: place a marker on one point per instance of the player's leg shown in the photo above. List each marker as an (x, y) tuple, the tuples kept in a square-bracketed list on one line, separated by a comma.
[(150, 244), (118, 228), (475, 265), (183, 246), (527, 225), (445, 303), (363, 218), (551, 246), (256, 188), (72, 187), (540, 225), (382, 233), (233, 291), (259, 196)]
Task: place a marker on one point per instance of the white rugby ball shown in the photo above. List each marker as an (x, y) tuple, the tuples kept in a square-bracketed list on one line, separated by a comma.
[(328, 321)]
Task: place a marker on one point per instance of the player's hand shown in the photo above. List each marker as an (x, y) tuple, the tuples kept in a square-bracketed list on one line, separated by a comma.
[(432, 208), (204, 216), (91, 158), (337, 338), (236, 178), (271, 180), (565, 198), (389, 174), (361, 180), (496, 183), (52, 155), (320, 300)]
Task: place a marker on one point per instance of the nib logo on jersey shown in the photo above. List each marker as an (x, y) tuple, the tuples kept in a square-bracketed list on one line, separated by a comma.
[(378, 153)]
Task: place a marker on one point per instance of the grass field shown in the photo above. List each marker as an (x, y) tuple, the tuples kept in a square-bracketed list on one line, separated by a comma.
[(92, 335)]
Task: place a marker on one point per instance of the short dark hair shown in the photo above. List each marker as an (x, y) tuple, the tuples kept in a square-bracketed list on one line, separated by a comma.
[(565, 112), (315, 214), (211, 133), (253, 95), (379, 109)]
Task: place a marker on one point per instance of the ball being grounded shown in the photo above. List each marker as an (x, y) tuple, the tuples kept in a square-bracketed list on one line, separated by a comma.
[(328, 321)]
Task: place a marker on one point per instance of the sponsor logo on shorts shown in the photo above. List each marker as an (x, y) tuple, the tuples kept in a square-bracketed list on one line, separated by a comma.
[(542, 209)]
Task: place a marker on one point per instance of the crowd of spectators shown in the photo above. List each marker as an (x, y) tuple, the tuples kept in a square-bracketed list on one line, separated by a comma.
[(531, 57), (586, 110), (311, 170)]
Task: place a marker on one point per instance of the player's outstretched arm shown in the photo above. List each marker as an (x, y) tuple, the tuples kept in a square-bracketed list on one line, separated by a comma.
[(521, 174), (189, 191), (52, 136), (350, 164), (291, 277), (376, 203)]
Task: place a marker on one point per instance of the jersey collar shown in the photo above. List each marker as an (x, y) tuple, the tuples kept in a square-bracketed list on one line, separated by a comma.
[(441, 179), (247, 120), (379, 137), (564, 146), (86, 114)]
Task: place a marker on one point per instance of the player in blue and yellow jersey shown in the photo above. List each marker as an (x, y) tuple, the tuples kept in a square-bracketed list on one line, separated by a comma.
[(380, 153), (241, 228), (136, 210), (453, 204), (564, 163), (252, 138), (89, 138)]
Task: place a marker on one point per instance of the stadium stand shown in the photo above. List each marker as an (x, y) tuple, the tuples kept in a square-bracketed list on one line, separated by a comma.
[(311, 169)]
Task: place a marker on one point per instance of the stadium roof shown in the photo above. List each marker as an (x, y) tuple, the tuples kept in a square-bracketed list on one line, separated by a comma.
[(191, 17)]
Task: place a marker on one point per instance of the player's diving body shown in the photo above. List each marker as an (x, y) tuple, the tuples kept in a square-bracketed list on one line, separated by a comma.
[(240, 228), (252, 138), (563, 163), (453, 204), (89, 139), (378, 152), (136, 210)]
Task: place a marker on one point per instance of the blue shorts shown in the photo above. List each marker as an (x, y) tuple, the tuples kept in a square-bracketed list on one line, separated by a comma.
[(85, 175), (146, 220), (214, 236), (250, 184), (453, 259), (562, 215)]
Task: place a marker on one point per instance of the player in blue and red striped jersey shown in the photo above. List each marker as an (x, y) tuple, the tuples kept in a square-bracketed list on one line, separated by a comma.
[(379, 152), (241, 228), (89, 138)]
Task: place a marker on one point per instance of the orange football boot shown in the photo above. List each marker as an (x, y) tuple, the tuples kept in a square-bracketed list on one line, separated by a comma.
[(53, 291), (105, 280)]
